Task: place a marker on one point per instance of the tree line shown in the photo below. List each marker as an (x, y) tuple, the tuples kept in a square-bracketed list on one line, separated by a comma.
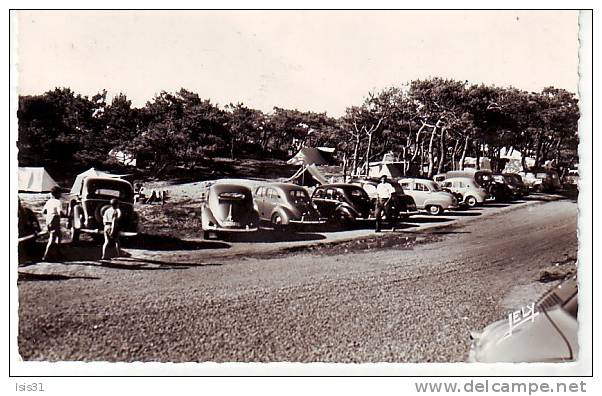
[(432, 123)]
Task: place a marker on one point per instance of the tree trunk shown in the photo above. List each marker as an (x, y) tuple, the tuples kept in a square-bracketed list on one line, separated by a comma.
[(430, 154), (421, 171), (442, 149), (344, 167), (558, 151), (464, 150), (405, 162), (478, 159), (453, 158), (538, 148), (368, 152), (355, 153)]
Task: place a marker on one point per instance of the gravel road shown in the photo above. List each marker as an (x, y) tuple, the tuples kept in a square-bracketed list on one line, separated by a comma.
[(412, 301)]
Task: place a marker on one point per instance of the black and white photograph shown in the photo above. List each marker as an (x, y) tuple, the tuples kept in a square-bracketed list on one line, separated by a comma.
[(300, 186)]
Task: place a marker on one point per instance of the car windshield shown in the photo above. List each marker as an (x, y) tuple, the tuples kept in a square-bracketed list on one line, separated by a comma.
[(564, 295), (433, 186), (515, 179), (110, 189), (231, 196), (299, 195), (358, 193)]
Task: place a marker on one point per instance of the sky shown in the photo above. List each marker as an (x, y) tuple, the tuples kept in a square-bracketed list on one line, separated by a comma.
[(321, 61)]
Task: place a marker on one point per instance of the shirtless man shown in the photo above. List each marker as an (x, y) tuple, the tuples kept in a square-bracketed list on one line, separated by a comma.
[(53, 211)]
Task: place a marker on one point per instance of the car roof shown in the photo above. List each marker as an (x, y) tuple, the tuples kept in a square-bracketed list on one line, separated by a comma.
[(415, 179), (339, 185), (89, 179), (226, 187), (283, 186), (461, 178)]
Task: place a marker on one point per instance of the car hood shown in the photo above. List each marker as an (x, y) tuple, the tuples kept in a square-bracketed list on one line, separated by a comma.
[(537, 341)]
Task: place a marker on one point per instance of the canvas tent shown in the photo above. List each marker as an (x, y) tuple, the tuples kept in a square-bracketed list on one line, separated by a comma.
[(313, 156), (391, 170), (308, 176), (33, 179), (79, 180)]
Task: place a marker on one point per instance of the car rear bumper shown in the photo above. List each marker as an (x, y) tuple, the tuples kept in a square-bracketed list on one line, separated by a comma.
[(232, 230), (409, 212), (307, 221), (125, 234)]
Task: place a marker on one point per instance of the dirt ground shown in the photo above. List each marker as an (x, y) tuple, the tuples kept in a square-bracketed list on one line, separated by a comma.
[(349, 296)]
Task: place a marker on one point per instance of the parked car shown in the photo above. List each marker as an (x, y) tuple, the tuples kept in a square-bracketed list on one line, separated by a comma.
[(401, 202), (571, 179), (550, 336), (515, 183), (499, 190), (439, 178), (283, 204), (541, 181), (28, 224), (472, 193), (88, 206), (342, 203), (227, 208), (482, 177), (428, 195)]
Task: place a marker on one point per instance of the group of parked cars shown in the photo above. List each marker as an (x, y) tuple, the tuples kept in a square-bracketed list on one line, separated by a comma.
[(235, 206), (239, 206)]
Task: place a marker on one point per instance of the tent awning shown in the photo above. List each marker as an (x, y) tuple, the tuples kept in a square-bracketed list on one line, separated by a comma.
[(79, 180), (34, 179)]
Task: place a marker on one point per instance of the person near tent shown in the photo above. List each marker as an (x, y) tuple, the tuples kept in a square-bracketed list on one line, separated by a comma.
[(110, 219), (156, 196), (53, 211), (384, 190), (139, 192)]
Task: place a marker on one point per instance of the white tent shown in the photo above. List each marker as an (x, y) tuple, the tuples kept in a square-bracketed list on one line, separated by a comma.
[(79, 180), (392, 170), (308, 175), (313, 156), (33, 179)]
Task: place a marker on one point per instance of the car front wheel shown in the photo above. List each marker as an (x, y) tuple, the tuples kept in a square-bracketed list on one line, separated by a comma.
[(434, 210), (277, 221), (471, 201)]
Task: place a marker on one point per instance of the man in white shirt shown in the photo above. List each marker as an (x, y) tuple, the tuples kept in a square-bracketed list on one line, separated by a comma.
[(53, 211), (110, 218), (383, 192)]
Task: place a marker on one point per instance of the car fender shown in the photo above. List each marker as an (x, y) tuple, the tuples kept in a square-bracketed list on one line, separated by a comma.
[(78, 216), (284, 213), (347, 211), (206, 217), (444, 203)]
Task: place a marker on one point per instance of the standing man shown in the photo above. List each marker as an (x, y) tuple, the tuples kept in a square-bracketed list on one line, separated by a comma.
[(111, 222), (53, 211), (383, 192)]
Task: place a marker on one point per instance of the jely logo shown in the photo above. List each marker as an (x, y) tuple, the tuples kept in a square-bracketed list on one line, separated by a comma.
[(521, 316)]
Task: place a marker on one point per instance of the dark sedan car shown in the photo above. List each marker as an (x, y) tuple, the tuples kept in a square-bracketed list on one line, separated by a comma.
[(400, 206), (29, 227), (88, 207), (283, 204), (228, 208), (342, 203), (514, 182)]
